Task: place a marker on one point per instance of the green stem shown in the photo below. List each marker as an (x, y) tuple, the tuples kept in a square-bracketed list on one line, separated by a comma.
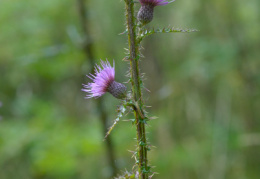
[(136, 89)]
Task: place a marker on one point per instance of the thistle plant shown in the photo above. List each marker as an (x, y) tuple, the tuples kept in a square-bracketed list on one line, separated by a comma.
[(104, 81)]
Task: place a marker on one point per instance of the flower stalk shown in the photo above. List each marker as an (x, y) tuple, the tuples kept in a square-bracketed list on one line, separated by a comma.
[(133, 43)]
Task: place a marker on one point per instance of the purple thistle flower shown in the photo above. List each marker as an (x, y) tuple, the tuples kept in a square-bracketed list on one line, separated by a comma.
[(145, 14), (104, 81)]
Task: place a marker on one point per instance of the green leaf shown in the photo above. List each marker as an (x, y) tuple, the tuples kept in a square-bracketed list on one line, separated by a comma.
[(147, 32), (120, 112)]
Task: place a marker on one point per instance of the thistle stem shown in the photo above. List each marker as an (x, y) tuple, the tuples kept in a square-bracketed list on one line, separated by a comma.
[(89, 53), (136, 89)]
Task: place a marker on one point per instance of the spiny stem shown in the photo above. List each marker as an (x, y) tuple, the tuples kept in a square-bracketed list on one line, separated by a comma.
[(89, 53), (136, 89)]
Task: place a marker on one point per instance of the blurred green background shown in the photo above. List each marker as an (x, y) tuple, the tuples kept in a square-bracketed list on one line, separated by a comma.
[(205, 89)]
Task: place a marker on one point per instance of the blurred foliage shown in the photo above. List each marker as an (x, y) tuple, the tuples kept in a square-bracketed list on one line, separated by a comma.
[(205, 89)]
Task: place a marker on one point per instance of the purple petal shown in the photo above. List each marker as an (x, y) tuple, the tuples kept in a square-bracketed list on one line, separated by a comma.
[(103, 76)]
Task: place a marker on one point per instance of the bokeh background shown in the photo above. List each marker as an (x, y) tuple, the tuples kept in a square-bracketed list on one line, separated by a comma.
[(204, 87)]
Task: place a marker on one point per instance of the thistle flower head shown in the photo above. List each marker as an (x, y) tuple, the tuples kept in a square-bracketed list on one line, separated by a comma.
[(104, 81), (145, 14)]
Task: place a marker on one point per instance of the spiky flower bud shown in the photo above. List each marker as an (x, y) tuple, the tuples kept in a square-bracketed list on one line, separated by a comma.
[(145, 13), (104, 81), (118, 90)]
